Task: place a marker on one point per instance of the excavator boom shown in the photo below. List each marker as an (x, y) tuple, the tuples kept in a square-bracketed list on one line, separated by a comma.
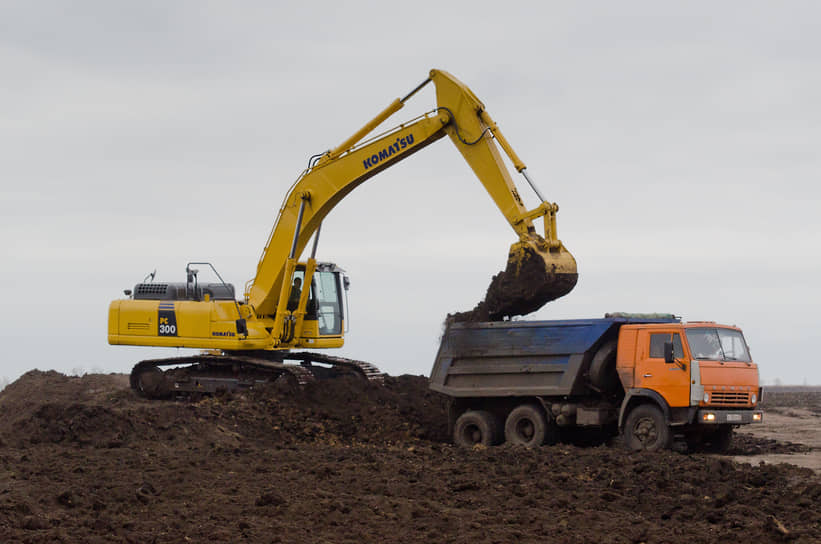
[(539, 268)]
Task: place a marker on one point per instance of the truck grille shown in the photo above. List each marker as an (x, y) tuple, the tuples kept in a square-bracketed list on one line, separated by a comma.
[(733, 398)]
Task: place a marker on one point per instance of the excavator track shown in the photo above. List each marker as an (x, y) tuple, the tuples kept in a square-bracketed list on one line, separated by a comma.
[(366, 370), (209, 374)]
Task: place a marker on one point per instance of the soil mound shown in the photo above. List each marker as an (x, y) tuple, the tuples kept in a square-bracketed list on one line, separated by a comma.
[(48, 407), (83, 459)]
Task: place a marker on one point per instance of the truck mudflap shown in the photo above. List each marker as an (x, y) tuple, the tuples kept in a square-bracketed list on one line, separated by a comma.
[(731, 417)]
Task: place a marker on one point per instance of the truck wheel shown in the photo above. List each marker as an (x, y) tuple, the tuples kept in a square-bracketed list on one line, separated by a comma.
[(526, 426), (646, 429), (476, 427), (720, 440)]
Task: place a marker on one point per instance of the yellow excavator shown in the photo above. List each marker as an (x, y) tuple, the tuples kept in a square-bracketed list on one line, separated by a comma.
[(292, 304)]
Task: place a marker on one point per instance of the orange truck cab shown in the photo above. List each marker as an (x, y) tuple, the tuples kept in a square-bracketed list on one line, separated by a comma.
[(699, 375)]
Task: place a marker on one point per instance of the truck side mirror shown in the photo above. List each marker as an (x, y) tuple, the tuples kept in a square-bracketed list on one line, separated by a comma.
[(668, 353)]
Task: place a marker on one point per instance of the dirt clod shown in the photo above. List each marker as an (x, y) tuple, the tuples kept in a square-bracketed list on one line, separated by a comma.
[(522, 288)]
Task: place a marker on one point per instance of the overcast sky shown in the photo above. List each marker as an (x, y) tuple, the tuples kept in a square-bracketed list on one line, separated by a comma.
[(681, 143)]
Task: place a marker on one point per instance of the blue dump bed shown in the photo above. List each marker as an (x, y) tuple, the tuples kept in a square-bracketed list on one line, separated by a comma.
[(520, 358)]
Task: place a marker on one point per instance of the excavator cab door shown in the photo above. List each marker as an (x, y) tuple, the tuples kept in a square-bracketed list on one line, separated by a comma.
[(327, 292), (324, 309)]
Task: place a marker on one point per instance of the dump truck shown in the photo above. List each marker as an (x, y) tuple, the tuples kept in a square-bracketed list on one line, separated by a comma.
[(651, 378)]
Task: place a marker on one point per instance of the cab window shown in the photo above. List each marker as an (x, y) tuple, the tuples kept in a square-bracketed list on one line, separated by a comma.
[(657, 341), (717, 344), (329, 301)]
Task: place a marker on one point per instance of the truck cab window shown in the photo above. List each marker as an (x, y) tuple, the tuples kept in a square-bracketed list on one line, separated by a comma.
[(657, 341), (717, 344), (704, 344), (733, 345)]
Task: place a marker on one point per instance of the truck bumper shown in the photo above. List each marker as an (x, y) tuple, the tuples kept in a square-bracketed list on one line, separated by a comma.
[(732, 417)]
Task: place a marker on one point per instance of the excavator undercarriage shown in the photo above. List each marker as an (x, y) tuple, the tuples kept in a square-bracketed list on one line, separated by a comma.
[(209, 373)]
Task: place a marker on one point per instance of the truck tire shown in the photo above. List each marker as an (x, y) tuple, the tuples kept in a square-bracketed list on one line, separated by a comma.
[(646, 429), (526, 426), (476, 427), (603, 374)]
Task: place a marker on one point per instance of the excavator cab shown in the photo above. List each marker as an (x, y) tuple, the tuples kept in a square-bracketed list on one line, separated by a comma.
[(324, 310)]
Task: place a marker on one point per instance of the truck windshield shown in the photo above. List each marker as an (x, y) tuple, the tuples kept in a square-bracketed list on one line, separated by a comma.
[(716, 344)]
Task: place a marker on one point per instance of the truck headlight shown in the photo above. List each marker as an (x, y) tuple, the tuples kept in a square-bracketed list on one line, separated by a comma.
[(753, 398), (757, 417), (708, 417), (706, 398)]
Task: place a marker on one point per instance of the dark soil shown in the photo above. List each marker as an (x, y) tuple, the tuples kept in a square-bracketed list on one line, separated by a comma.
[(86, 460), (526, 284), (745, 444)]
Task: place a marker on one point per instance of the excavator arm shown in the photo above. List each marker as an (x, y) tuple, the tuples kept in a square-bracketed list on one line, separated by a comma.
[(539, 268)]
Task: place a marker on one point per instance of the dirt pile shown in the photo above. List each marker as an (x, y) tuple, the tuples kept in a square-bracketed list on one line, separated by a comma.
[(100, 411), (85, 460)]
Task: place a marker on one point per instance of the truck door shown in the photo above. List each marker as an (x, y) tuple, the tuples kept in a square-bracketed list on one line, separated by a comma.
[(668, 379)]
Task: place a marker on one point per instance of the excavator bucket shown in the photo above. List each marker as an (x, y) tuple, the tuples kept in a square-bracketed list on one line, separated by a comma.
[(534, 276)]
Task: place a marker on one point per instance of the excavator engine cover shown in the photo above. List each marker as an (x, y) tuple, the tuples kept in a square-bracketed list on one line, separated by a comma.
[(181, 291)]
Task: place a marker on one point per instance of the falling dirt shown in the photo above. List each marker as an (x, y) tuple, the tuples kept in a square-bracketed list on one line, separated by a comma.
[(86, 460), (520, 289)]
